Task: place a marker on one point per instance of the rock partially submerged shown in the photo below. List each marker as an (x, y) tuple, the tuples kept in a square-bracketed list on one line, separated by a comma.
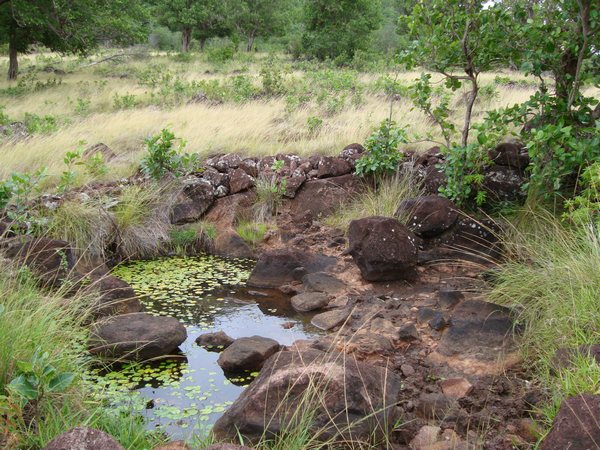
[(214, 341), (309, 301), (355, 399), (248, 353), (137, 337)]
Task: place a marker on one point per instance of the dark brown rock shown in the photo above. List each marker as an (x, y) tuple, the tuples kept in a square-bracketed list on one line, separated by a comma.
[(239, 181), (331, 166), (229, 244), (249, 353), (576, 426), (352, 153), (319, 198), (137, 337), (218, 340), (511, 154), (358, 399), (309, 301), (565, 357), (322, 282), (293, 184), (408, 332), (503, 183), (428, 216), (278, 267), (83, 438), (115, 297), (383, 248), (435, 406)]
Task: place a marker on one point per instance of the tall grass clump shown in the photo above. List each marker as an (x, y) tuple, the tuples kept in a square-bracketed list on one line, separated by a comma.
[(552, 278), (34, 326), (141, 218), (382, 200)]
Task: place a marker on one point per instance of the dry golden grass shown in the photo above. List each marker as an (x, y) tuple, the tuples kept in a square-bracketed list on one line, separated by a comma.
[(257, 127)]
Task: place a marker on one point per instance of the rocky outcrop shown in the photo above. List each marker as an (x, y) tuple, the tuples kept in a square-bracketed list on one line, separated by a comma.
[(197, 197), (428, 216), (278, 267), (83, 438), (249, 353), (576, 425), (51, 261), (356, 399), (136, 337), (383, 248)]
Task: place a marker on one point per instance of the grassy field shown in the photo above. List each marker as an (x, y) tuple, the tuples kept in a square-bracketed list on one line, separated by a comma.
[(253, 104)]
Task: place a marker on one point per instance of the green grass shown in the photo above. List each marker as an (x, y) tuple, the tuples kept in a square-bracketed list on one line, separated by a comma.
[(31, 321), (382, 201), (252, 232), (552, 278)]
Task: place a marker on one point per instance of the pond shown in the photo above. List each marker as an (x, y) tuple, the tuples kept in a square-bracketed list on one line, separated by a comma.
[(185, 395)]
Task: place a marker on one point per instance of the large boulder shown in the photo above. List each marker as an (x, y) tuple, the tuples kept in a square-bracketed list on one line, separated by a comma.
[(503, 183), (331, 166), (322, 282), (83, 438), (137, 337), (239, 181), (115, 297), (197, 197), (50, 260), (278, 267), (428, 216), (576, 425), (511, 154), (355, 399), (383, 248), (319, 198), (248, 353)]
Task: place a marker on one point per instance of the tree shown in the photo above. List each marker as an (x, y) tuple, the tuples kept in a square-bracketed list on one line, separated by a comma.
[(458, 35), (69, 26), (253, 18), (339, 28), (204, 18)]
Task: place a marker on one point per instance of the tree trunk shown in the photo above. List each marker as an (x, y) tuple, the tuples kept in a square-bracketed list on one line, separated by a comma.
[(250, 42), (202, 44), (13, 64), (186, 38), (469, 110)]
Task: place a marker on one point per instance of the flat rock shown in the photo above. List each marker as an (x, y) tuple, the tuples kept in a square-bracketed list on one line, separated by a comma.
[(323, 282), (278, 267), (576, 425), (137, 336), (330, 319), (83, 438), (309, 301), (218, 340), (248, 353), (356, 399), (456, 387)]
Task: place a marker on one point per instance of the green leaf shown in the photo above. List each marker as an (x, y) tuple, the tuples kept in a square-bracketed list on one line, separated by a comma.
[(22, 387), (61, 382)]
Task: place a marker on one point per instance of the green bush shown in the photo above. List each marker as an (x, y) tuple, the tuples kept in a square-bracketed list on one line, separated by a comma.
[(40, 124), (164, 157), (382, 155)]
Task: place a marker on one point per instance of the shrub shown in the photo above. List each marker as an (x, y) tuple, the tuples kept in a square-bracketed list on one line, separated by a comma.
[(163, 157), (126, 101), (38, 124), (382, 155), (584, 208), (220, 54), (252, 232)]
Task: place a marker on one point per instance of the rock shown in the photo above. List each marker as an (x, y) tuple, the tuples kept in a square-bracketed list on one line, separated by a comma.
[(331, 166), (216, 178), (435, 406), (250, 166), (218, 340), (352, 153), (319, 198), (383, 248), (278, 267), (228, 211), (138, 337), (427, 435), (199, 196), (175, 445), (225, 162), (293, 184), (330, 319), (456, 387), (309, 301), (187, 212), (247, 353), (564, 357), (83, 438), (479, 338), (323, 282), (407, 370), (99, 148), (231, 245), (408, 332), (51, 261), (428, 216), (239, 181), (576, 425), (115, 297), (511, 154), (356, 399), (503, 183), (449, 298)]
